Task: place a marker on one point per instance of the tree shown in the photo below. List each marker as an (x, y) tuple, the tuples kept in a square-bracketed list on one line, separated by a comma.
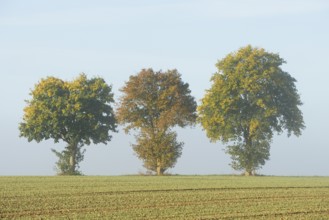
[(154, 103), (77, 112), (251, 98), (63, 166), (159, 152)]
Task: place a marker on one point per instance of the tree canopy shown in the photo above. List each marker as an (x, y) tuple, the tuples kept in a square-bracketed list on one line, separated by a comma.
[(251, 97), (78, 112), (153, 103)]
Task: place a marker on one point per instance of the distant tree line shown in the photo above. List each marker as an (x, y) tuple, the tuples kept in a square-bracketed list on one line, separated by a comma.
[(250, 99)]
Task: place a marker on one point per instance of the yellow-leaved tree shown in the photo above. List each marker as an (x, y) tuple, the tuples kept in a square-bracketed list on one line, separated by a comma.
[(251, 98), (78, 112)]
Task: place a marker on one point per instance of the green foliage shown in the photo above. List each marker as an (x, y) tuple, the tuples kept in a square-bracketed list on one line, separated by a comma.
[(251, 97), (158, 152), (153, 103), (249, 159), (77, 112), (63, 166)]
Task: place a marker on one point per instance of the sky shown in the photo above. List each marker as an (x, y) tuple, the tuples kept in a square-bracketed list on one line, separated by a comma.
[(116, 39)]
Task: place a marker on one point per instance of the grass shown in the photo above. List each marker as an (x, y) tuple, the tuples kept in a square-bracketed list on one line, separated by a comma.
[(167, 197)]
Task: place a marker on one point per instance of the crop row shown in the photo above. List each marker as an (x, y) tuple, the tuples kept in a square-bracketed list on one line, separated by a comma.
[(77, 199)]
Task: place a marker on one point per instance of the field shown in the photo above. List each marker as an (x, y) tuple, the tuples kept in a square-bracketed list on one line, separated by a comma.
[(167, 197)]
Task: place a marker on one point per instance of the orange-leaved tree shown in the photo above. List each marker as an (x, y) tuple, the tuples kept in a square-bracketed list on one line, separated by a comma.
[(153, 103)]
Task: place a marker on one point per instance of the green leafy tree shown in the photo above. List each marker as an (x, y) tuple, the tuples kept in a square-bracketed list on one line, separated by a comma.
[(153, 103), (77, 112), (251, 98), (63, 166)]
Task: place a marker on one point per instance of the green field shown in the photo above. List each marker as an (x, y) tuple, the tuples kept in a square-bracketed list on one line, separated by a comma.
[(167, 197)]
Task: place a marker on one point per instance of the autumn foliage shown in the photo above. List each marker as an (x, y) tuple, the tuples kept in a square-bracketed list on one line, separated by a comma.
[(153, 103)]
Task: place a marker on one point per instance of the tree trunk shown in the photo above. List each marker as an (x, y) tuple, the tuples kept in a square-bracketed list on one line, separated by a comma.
[(248, 173), (249, 163), (159, 171), (73, 162), (159, 168)]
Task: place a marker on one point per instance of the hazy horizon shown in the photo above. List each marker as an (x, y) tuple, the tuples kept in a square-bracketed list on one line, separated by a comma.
[(116, 39)]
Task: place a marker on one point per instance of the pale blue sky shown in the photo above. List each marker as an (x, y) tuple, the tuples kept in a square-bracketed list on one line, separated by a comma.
[(115, 39)]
